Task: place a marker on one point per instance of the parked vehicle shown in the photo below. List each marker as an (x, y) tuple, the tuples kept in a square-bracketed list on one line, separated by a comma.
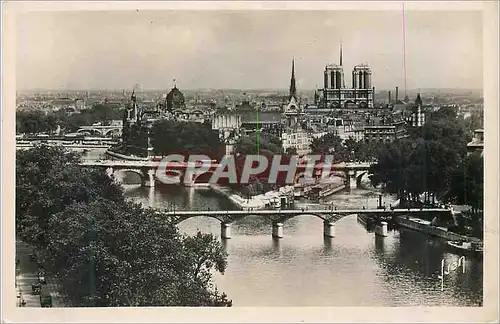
[(45, 299), (41, 276), (36, 288)]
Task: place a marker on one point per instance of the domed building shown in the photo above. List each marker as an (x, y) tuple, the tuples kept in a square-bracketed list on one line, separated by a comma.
[(175, 99)]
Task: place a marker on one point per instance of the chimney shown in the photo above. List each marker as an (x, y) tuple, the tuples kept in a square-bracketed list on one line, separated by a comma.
[(397, 91), (389, 96)]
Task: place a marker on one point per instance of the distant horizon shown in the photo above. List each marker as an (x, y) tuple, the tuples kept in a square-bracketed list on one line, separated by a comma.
[(401, 90)]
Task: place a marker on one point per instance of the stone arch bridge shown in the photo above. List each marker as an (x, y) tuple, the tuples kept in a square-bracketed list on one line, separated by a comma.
[(112, 130), (277, 217), (147, 170)]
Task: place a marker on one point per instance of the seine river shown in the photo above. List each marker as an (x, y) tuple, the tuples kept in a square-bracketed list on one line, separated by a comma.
[(355, 268)]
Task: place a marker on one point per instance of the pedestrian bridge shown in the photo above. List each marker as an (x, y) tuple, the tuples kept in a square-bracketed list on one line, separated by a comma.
[(277, 217)]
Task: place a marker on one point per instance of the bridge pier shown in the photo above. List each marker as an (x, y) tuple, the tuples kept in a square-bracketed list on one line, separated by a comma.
[(225, 231), (328, 229), (277, 230), (347, 180), (148, 179), (381, 230)]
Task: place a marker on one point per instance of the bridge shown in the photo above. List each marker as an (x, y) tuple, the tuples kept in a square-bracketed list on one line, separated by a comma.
[(277, 217), (147, 170), (72, 147), (111, 130)]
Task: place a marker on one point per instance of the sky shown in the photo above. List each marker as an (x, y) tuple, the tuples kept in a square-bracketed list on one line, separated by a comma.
[(245, 49)]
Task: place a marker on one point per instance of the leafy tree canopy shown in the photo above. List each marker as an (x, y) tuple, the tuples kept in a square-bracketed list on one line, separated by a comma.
[(103, 249), (168, 136)]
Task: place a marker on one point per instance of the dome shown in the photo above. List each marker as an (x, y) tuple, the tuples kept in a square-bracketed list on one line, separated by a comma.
[(175, 99)]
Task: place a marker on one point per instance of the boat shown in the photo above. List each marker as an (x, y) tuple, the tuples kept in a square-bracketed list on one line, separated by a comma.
[(463, 246)]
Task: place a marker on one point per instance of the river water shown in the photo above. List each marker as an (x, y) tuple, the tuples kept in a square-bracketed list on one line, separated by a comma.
[(355, 268)]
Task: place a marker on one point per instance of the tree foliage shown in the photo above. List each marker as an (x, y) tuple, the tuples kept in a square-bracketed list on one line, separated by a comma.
[(30, 122), (425, 162), (103, 249), (344, 150), (169, 136), (266, 142), (467, 183)]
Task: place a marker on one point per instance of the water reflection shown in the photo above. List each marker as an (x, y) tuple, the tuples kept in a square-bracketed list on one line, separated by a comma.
[(379, 245), (355, 268)]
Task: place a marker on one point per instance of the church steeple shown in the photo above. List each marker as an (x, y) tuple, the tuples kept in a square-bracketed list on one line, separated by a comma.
[(293, 88), (418, 100), (134, 103), (341, 53)]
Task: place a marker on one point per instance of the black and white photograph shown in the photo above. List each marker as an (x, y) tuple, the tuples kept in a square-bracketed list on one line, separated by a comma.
[(259, 157)]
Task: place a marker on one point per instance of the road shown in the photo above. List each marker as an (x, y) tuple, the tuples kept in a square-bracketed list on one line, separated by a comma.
[(27, 274)]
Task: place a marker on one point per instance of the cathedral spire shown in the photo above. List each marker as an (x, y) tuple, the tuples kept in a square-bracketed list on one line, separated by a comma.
[(418, 100), (340, 52), (293, 88)]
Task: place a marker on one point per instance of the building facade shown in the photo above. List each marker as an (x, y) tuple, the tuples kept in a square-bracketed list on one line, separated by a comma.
[(229, 128), (477, 143), (136, 130), (336, 95), (385, 133), (299, 141)]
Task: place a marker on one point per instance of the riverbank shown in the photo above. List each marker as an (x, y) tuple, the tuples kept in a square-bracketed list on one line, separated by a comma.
[(124, 157), (271, 199), (426, 227)]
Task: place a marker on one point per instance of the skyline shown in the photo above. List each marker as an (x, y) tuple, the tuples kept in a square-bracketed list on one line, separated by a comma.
[(206, 50)]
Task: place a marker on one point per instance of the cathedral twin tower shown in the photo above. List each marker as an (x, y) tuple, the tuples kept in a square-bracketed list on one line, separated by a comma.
[(335, 94)]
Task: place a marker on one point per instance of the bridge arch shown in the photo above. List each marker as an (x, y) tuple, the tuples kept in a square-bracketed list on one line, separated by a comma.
[(115, 132), (184, 218), (123, 172), (360, 177), (92, 131)]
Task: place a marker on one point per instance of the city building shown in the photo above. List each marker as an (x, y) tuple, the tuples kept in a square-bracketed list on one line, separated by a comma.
[(477, 143), (135, 132), (298, 140), (348, 131), (414, 114), (292, 112), (229, 126), (336, 95), (385, 133), (174, 100), (190, 115), (265, 121)]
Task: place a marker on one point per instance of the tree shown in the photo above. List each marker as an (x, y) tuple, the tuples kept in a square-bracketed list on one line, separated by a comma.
[(48, 179), (425, 161), (330, 144), (104, 250), (266, 142), (112, 254), (39, 122), (291, 151), (170, 136), (467, 185)]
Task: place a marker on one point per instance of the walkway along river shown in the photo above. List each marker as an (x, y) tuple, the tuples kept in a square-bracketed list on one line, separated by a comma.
[(303, 269)]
